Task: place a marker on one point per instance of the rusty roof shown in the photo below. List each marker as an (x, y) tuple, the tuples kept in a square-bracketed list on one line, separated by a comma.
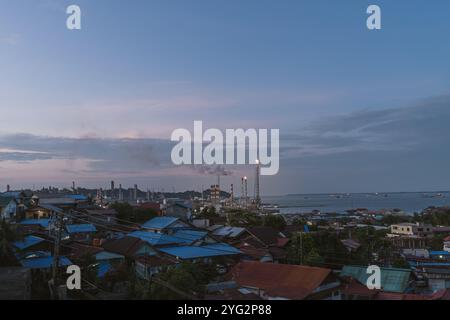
[(280, 280)]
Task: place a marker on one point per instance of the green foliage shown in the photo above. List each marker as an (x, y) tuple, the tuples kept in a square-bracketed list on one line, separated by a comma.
[(435, 217), (208, 212), (7, 235), (274, 221), (400, 262), (244, 218), (137, 215), (392, 219), (188, 277)]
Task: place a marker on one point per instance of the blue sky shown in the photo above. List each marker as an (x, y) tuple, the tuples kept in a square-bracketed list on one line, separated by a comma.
[(358, 110)]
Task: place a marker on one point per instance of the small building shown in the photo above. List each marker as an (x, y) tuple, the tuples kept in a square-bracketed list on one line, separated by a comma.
[(104, 216), (272, 281), (8, 207), (446, 244), (392, 279), (204, 253), (81, 232), (411, 229)]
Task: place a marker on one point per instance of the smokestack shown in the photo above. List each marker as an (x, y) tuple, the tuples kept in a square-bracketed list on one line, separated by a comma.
[(232, 193), (73, 186), (257, 195), (242, 192), (135, 192), (113, 188), (8, 188), (246, 191)]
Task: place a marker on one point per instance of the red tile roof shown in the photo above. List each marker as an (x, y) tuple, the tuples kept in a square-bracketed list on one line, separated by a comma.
[(280, 280)]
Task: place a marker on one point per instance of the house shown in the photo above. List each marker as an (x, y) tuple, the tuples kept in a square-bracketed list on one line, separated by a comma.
[(164, 224), (179, 210), (44, 262), (130, 247), (103, 216), (354, 290), (8, 207), (440, 255), (227, 233), (147, 266), (392, 279), (272, 281), (264, 244), (411, 229), (204, 253), (30, 243), (37, 212), (155, 206), (446, 244), (80, 232), (437, 276)]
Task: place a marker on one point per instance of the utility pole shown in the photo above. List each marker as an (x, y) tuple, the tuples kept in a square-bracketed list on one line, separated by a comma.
[(59, 225)]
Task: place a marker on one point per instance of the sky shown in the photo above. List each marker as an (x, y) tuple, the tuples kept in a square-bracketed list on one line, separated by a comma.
[(358, 110)]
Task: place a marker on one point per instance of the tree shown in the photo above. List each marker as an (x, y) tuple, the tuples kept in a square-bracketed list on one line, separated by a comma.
[(7, 235), (142, 215), (313, 258), (208, 212), (274, 221), (401, 262)]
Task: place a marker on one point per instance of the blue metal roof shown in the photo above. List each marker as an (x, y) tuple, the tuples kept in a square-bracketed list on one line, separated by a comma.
[(27, 242), (155, 239), (439, 253), (14, 194), (189, 236), (192, 252), (44, 263), (159, 222), (428, 264), (80, 228), (103, 268), (79, 197), (42, 222)]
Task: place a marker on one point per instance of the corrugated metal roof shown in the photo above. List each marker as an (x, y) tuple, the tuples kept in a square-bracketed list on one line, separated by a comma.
[(50, 207), (189, 236), (80, 228), (392, 279), (192, 252), (439, 253), (79, 197), (105, 255), (155, 239), (103, 268), (231, 232), (159, 222), (42, 222), (4, 201), (27, 242), (44, 263), (280, 280)]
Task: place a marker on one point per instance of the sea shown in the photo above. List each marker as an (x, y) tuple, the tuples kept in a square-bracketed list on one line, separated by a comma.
[(409, 202)]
